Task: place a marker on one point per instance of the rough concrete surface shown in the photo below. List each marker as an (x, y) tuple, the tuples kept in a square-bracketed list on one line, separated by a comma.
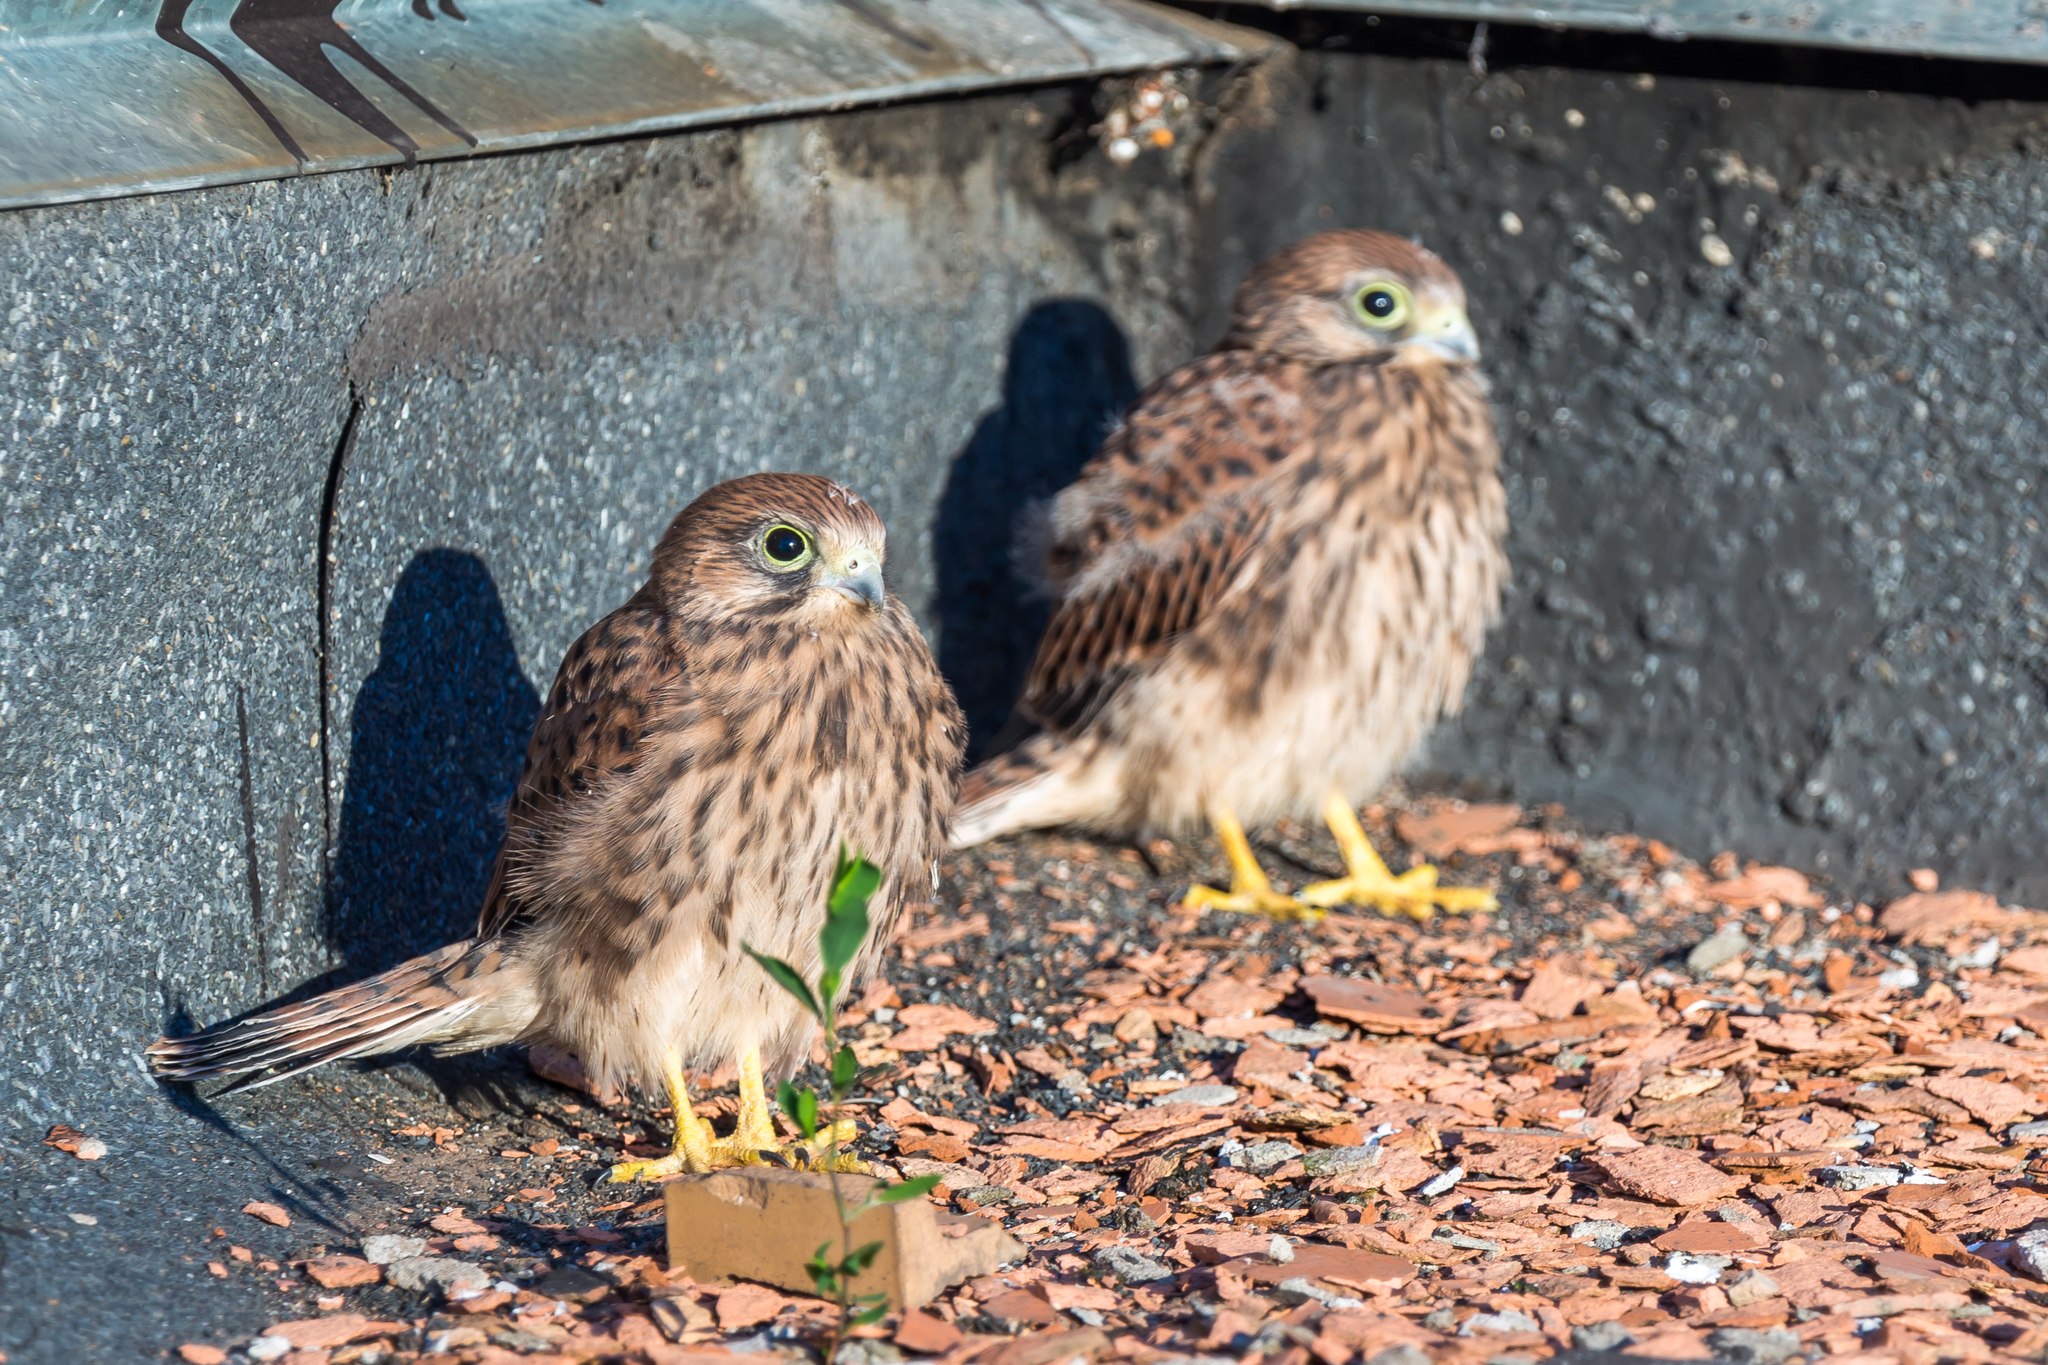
[(1806, 617), (1767, 359)]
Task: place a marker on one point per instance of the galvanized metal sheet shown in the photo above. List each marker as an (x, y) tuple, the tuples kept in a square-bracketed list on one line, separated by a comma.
[(109, 97), (1990, 30)]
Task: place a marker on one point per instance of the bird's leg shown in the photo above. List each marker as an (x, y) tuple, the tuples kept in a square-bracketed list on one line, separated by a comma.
[(1368, 880), (754, 1140), (1250, 893), (693, 1144)]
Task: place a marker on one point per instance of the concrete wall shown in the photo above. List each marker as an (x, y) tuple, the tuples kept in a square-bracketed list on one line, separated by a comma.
[(1767, 352)]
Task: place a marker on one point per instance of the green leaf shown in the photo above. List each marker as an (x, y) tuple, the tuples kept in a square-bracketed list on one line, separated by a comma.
[(845, 1071), (902, 1190), (786, 977), (824, 1274), (872, 1313), (860, 1258), (846, 911), (801, 1106)]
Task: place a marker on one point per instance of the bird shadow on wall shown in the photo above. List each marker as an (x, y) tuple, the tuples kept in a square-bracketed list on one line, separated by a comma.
[(1067, 379), (436, 740)]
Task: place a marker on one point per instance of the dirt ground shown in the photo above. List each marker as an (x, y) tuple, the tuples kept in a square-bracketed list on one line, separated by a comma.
[(1671, 1110)]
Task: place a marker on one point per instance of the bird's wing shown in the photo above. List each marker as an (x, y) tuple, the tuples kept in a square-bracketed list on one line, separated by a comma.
[(1158, 528), (623, 678)]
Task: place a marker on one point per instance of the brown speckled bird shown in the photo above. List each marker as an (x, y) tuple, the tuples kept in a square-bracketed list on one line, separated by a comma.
[(1272, 580), (705, 753)]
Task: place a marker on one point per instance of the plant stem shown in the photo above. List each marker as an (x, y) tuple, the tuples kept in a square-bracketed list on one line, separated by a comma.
[(841, 1282)]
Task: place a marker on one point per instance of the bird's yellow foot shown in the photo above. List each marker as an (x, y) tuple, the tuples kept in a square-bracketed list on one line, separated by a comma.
[(754, 1141), (1250, 900), (1369, 882), (802, 1154), (654, 1168), (694, 1148), (1250, 893), (743, 1149), (1414, 894)]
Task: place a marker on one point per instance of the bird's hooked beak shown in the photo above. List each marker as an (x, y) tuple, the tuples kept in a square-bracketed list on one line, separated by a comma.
[(856, 576), (1444, 328)]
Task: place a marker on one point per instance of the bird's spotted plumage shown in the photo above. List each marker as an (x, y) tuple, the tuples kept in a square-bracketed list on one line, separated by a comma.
[(705, 753), (1278, 571)]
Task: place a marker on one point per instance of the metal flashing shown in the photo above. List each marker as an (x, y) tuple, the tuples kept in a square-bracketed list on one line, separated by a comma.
[(1983, 30), (100, 98)]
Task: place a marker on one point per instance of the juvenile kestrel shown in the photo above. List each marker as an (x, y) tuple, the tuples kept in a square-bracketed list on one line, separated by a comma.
[(707, 750), (1271, 581)]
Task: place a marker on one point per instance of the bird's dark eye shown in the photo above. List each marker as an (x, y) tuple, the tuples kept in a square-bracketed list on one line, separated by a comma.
[(1382, 305), (785, 547)]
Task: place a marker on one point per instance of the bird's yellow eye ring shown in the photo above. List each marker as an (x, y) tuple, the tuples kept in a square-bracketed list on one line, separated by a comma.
[(785, 547), (1383, 305)]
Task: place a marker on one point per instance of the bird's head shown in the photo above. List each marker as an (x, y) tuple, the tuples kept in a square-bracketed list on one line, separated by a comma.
[(792, 549), (1349, 296)]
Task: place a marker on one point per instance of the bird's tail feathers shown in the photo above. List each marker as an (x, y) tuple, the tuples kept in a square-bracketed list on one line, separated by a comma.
[(1040, 783), (454, 994)]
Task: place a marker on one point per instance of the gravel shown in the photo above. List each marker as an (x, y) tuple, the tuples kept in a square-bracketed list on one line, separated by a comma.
[(440, 1273)]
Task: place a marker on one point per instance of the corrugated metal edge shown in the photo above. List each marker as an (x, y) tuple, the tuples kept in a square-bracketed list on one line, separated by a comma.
[(93, 139), (1975, 30)]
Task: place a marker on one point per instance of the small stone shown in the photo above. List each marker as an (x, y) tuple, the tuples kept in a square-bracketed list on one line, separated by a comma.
[(1507, 1320), (572, 1282), (1752, 1286), (1132, 1267), (2026, 1132), (198, 1353), (1857, 1177), (1755, 1345), (65, 1138), (1279, 1251), (1601, 1336), (1442, 1184), (1715, 251), (1298, 1037), (679, 1317), (988, 1196), (1211, 1096), (1299, 1289), (84, 1220), (268, 1348), (1261, 1157), (858, 1352), (1407, 1353), (1136, 1027), (927, 1335), (385, 1248), (1603, 1233), (1331, 1160), (1689, 1267), (1723, 946), (441, 1273), (512, 1339), (267, 1213), (2030, 1252), (747, 1305), (341, 1272)]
